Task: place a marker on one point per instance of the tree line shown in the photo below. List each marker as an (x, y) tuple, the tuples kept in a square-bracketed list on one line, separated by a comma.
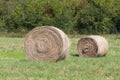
[(72, 16)]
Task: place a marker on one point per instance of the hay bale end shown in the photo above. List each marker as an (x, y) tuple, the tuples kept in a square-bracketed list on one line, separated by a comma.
[(92, 46), (46, 43)]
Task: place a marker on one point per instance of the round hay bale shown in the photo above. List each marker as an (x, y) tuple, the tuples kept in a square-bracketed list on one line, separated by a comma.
[(92, 46), (46, 43)]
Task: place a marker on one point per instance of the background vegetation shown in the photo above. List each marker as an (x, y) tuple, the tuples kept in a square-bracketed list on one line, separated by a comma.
[(72, 16)]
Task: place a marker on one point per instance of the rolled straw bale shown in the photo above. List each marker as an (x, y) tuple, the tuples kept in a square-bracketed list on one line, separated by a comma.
[(92, 46), (46, 43)]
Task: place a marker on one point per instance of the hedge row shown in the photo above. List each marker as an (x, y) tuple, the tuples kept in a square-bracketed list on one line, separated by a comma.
[(72, 16)]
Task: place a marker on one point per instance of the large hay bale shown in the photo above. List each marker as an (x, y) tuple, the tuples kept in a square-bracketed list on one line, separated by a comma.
[(46, 43), (92, 46)]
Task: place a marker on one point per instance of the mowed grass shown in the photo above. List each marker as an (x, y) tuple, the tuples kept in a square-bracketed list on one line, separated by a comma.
[(15, 66)]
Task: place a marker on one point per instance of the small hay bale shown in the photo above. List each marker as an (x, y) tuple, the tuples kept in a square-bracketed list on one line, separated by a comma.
[(46, 43), (92, 46)]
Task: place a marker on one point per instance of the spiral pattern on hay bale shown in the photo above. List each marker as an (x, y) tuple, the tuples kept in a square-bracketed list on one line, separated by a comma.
[(92, 46), (46, 43)]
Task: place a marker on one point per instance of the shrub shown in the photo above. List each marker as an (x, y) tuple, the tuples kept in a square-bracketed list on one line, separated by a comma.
[(96, 18), (72, 16)]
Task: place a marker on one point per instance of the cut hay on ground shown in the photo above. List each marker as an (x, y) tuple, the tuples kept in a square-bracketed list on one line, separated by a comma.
[(46, 43), (92, 46)]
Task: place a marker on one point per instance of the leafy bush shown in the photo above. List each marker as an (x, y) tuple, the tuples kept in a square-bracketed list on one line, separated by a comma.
[(96, 18), (72, 16)]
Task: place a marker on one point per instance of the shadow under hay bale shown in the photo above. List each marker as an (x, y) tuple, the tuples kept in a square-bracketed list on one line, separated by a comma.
[(92, 46), (46, 43), (75, 55)]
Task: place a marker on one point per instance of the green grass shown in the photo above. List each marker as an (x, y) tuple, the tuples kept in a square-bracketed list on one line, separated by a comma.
[(15, 66)]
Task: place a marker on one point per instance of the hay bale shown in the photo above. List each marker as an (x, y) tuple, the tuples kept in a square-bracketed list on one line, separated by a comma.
[(46, 43), (92, 46)]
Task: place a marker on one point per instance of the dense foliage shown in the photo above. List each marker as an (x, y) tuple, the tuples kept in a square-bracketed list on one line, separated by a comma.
[(72, 16)]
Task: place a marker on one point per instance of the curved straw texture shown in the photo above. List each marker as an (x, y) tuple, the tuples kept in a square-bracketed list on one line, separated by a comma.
[(92, 46), (46, 43)]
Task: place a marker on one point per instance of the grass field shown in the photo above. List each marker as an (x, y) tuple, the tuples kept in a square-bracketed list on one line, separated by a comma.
[(15, 66)]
